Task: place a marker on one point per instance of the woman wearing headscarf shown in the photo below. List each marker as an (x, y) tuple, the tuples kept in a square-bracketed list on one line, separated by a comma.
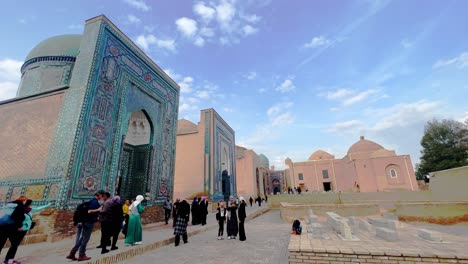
[(116, 209), (195, 211), (12, 221), (135, 230), (232, 226), (181, 220), (242, 216)]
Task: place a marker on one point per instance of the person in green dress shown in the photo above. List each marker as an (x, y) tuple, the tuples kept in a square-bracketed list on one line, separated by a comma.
[(135, 230)]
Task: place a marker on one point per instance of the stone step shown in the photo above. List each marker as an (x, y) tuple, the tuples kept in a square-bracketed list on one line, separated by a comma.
[(430, 235), (31, 239), (38, 230), (386, 234)]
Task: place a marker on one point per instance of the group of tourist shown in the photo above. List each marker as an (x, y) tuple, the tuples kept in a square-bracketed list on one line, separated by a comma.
[(294, 190), (15, 221), (113, 216), (234, 215)]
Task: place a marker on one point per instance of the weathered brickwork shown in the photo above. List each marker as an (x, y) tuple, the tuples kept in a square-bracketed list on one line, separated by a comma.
[(311, 256)]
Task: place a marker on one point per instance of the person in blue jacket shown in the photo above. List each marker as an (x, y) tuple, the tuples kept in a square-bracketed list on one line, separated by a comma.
[(21, 232)]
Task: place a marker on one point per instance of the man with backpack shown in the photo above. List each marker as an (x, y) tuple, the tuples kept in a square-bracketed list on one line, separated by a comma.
[(85, 216)]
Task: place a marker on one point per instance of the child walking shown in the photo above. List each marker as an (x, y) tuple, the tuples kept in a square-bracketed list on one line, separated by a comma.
[(221, 218)]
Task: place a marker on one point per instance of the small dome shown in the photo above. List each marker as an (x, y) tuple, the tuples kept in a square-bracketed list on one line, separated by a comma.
[(263, 161), (321, 155), (63, 45), (364, 145), (184, 126)]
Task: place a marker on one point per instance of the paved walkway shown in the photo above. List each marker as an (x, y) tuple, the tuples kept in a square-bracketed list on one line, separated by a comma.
[(267, 242), (154, 236)]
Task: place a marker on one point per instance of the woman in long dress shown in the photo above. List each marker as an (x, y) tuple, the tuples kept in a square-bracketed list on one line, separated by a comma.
[(242, 216), (195, 211), (135, 230), (232, 225)]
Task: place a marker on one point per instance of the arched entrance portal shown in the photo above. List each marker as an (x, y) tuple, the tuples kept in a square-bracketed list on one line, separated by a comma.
[(226, 185), (258, 181), (276, 187), (136, 157)]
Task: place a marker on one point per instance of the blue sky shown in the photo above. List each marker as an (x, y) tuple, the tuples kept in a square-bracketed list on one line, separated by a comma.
[(290, 77)]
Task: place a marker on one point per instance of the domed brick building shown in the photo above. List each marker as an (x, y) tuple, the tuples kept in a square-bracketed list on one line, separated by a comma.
[(367, 167), (92, 112)]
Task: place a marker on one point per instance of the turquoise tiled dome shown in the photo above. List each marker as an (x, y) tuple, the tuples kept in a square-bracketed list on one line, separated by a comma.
[(263, 161), (63, 45)]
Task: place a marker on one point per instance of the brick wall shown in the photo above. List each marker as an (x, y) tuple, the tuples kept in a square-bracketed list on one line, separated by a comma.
[(351, 256)]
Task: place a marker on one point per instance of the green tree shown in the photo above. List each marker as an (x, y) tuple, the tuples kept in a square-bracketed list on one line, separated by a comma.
[(444, 146)]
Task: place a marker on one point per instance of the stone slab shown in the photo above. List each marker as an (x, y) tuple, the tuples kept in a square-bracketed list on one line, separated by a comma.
[(430, 235), (386, 234)]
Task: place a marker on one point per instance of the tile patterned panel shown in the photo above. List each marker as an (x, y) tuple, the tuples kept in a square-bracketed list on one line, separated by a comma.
[(53, 191), (3, 193), (17, 191), (123, 82), (34, 192)]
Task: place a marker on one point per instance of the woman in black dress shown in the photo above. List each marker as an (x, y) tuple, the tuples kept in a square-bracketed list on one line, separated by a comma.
[(232, 224), (242, 216)]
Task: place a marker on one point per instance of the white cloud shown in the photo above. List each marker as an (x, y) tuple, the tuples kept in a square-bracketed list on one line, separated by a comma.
[(280, 115), (207, 13), (249, 30), (228, 110), (251, 75), (131, 19), (339, 94), (172, 74), (349, 97), (346, 127), (10, 69), (225, 12), (262, 90), (199, 41), (145, 41), (187, 26), (207, 32), (138, 4), (406, 44), (252, 18), (359, 97), (318, 42), (8, 90), (461, 61), (77, 27), (203, 94), (286, 86)]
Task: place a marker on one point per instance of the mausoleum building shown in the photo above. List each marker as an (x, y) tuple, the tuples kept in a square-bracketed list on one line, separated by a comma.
[(92, 112), (367, 167)]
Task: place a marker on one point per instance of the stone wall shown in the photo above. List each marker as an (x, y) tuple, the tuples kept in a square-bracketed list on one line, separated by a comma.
[(289, 212), (350, 256), (357, 198)]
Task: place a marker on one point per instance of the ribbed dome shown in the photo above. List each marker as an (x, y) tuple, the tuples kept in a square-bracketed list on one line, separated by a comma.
[(321, 155), (63, 45), (364, 145), (263, 161)]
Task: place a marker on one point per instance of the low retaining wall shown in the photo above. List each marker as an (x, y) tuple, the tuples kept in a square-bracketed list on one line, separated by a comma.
[(348, 256), (290, 212)]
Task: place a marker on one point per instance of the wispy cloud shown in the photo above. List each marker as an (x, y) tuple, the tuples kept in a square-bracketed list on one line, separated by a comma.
[(206, 12), (373, 7), (346, 127), (406, 44), (76, 27), (280, 115), (347, 97), (286, 87), (138, 4), (251, 75), (249, 30), (318, 42), (461, 61), (132, 19), (9, 78), (146, 41)]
